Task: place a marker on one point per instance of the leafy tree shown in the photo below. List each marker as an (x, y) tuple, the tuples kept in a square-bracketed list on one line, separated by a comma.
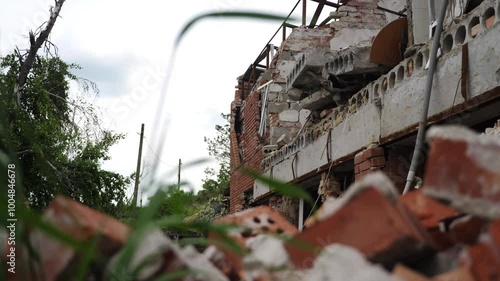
[(57, 139), (177, 202)]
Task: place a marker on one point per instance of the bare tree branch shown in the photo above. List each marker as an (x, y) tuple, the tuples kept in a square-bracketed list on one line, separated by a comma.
[(35, 44)]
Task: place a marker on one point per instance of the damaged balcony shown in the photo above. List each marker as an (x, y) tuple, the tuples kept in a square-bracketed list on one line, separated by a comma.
[(465, 89)]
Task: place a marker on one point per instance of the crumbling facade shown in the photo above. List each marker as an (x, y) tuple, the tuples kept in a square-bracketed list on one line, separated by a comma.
[(345, 98)]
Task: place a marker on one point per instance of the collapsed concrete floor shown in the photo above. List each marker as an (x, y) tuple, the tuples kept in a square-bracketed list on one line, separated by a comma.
[(449, 229)]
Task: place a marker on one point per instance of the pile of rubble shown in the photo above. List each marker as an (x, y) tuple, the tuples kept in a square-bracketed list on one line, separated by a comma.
[(449, 229)]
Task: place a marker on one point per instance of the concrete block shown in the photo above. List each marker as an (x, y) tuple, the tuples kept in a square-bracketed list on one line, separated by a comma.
[(283, 140), (303, 115), (275, 87), (295, 106), (289, 116), (277, 107), (272, 97), (295, 94), (277, 132), (347, 9), (353, 60), (268, 149), (337, 15), (349, 37), (317, 100)]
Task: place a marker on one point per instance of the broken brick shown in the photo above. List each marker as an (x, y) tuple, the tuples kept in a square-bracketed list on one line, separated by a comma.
[(483, 262), (428, 211), (464, 168), (258, 220), (82, 224)]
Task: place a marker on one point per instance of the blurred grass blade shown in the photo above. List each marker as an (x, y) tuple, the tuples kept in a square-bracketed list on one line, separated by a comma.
[(228, 14), (282, 188)]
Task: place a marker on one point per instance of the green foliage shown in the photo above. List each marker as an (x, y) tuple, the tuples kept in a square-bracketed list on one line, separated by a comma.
[(176, 202), (56, 154)]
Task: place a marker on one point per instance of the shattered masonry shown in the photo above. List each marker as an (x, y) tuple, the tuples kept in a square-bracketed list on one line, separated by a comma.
[(335, 111), (368, 233)]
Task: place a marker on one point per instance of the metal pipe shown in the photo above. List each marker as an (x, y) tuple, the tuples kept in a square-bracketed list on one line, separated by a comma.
[(428, 89), (432, 11)]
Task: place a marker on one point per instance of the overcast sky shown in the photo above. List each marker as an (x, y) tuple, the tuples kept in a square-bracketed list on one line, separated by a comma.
[(124, 46)]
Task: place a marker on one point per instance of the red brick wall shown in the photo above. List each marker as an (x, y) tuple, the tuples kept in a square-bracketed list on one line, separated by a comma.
[(249, 142)]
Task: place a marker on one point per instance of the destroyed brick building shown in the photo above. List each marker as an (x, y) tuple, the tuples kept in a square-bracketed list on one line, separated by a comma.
[(342, 98)]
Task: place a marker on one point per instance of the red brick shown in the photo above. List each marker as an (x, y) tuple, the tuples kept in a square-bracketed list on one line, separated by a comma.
[(356, 169), (82, 224), (373, 152), (466, 231), (464, 166), (364, 166), (377, 161), (258, 220), (428, 211), (359, 158), (368, 222), (482, 261)]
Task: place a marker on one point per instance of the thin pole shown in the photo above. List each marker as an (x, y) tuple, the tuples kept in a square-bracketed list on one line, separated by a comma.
[(304, 12), (179, 175), (138, 170)]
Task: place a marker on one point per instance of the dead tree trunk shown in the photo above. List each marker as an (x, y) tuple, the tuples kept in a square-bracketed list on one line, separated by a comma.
[(35, 45)]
